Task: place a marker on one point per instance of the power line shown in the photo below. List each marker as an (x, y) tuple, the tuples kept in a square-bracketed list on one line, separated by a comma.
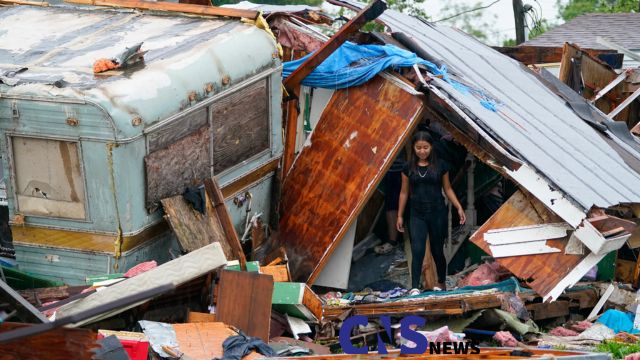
[(468, 11)]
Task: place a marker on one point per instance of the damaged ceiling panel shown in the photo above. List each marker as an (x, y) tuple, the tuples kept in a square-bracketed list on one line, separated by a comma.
[(568, 166), (349, 151)]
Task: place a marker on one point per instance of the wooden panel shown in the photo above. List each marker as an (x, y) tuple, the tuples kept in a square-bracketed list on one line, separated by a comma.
[(240, 126), (199, 317), (354, 143), (279, 272), (203, 341), (540, 54), (214, 195), (244, 301), (450, 305), (177, 129), (193, 229), (312, 302), (544, 270), (181, 164), (57, 344)]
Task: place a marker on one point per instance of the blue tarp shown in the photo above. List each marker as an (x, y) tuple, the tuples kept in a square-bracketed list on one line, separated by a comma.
[(618, 321), (353, 65)]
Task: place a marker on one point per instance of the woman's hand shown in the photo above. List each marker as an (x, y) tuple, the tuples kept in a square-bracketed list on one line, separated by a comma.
[(462, 215), (400, 224)]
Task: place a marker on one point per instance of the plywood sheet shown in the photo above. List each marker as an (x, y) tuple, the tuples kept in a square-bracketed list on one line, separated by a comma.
[(183, 163), (544, 270), (244, 301), (354, 143), (203, 341), (192, 228)]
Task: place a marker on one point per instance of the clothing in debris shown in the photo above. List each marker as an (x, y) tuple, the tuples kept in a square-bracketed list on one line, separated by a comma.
[(618, 321), (195, 196), (236, 347)]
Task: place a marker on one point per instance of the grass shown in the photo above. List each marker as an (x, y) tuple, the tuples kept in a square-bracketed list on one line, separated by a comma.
[(618, 350)]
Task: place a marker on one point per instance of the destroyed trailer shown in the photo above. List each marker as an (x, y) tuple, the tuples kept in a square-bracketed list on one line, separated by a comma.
[(89, 156)]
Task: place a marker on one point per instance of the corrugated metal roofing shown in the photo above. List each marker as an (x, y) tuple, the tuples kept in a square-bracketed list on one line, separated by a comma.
[(621, 28), (537, 125)]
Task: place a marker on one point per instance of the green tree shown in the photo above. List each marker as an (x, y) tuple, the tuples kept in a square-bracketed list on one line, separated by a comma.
[(575, 8)]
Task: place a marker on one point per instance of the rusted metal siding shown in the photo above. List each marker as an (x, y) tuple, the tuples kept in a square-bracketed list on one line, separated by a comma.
[(349, 151)]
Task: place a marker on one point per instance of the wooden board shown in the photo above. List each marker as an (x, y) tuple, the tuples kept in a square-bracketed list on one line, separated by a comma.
[(279, 272), (57, 344), (354, 143), (240, 126), (203, 341), (544, 270), (183, 163), (540, 54), (193, 229), (244, 301)]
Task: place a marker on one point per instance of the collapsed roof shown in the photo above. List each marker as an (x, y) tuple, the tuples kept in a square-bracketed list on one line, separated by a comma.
[(555, 154)]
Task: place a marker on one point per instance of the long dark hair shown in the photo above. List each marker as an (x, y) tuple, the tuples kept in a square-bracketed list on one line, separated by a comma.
[(413, 160)]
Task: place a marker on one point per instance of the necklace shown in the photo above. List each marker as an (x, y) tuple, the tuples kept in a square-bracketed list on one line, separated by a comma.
[(421, 174)]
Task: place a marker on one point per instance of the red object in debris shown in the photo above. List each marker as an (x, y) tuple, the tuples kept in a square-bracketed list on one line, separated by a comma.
[(560, 331), (140, 268), (505, 339), (135, 344), (634, 356)]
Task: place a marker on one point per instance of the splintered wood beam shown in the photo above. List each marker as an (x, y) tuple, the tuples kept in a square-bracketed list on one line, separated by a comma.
[(371, 12), (213, 192), (170, 7)]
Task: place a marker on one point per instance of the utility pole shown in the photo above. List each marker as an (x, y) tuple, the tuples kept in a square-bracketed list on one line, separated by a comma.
[(518, 14)]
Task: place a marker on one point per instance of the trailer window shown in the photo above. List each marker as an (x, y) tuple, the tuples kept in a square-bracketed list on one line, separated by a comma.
[(240, 123), (48, 178)]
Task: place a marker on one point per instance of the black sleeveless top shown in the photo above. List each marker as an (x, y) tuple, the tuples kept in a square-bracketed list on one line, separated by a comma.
[(425, 188)]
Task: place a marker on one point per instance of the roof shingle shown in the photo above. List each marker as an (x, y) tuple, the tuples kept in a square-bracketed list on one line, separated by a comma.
[(621, 28)]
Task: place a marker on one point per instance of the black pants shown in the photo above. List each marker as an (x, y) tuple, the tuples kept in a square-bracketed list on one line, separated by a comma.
[(434, 224)]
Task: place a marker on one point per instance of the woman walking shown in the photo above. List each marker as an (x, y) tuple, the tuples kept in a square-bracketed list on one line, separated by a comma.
[(424, 178)]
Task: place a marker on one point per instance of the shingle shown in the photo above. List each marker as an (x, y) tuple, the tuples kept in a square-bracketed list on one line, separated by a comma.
[(621, 28)]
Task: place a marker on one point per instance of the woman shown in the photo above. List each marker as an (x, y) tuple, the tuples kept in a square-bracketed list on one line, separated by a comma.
[(423, 179)]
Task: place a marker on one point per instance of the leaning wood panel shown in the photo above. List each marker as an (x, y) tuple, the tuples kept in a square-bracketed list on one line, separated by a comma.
[(244, 301), (353, 145), (179, 165), (546, 270), (193, 229)]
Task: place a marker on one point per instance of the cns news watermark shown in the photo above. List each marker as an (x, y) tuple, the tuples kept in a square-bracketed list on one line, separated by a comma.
[(407, 325)]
